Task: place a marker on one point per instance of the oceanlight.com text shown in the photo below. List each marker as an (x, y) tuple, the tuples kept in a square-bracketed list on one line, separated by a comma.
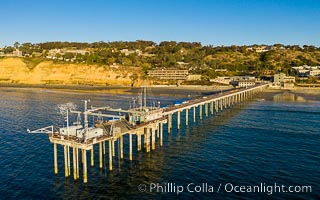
[(223, 187)]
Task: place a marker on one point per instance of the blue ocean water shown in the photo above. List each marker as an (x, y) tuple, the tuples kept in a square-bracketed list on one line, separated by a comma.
[(259, 142)]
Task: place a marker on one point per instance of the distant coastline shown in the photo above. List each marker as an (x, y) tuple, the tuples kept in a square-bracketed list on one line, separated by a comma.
[(61, 86), (99, 87), (195, 88)]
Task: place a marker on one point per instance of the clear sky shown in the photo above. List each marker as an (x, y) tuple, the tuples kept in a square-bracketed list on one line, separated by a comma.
[(215, 22)]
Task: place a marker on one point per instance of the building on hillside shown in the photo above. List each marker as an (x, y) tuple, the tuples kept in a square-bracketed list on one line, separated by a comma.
[(52, 53), (314, 72), (236, 81), (221, 70), (283, 80), (278, 79), (169, 74), (237, 78), (243, 81), (128, 52), (17, 53), (303, 72), (225, 80), (307, 71), (246, 83), (261, 49), (194, 77), (182, 63), (288, 81), (77, 52)]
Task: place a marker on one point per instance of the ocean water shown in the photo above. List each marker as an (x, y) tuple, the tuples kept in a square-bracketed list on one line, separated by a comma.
[(262, 142)]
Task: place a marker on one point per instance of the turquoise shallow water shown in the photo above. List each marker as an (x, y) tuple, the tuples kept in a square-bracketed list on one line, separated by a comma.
[(258, 142)]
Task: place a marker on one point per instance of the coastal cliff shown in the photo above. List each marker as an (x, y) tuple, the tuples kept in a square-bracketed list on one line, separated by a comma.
[(19, 71)]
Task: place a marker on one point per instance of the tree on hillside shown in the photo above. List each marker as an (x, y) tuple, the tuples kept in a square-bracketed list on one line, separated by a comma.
[(309, 48), (68, 55), (8, 49), (133, 78), (26, 48), (16, 45)]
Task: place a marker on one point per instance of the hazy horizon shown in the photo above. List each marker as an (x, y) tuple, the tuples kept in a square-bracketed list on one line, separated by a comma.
[(157, 43)]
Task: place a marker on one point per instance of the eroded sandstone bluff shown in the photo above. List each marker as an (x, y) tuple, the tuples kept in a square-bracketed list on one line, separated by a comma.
[(18, 71)]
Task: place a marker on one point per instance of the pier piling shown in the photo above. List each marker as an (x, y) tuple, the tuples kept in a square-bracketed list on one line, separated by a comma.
[(85, 176), (112, 147), (194, 114), (100, 154), (169, 123), (148, 139), (75, 176), (158, 130), (68, 155), (121, 146), (178, 120), (55, 155), (110, 155), (77, 162), (130, 146), (153, 138), (92, 156), (65, 162), (138, 135), (200, 112), (161, 133), (187, 117), (206, 109)]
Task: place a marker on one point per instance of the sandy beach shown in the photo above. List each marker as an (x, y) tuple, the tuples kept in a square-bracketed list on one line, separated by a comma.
[(191, 90)]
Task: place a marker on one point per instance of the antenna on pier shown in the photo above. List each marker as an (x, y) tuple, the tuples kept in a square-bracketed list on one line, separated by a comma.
[(68, 123), (86, 115)]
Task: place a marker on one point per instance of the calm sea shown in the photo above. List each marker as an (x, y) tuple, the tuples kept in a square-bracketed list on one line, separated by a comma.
[(274, 139)]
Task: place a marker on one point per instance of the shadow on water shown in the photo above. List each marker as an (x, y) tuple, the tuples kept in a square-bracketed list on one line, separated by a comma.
[(288, 97)]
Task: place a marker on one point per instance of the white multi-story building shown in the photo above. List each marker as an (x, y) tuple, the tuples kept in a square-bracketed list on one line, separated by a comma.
[(314, 72), (246, 83), (169, 74), (283, 80), (221, 80), (237, 81), (305, 70)]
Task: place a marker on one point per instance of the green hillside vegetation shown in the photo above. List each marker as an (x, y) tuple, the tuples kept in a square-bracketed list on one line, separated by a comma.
[(198, 59)]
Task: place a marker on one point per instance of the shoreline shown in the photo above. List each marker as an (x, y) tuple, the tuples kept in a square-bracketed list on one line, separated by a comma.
[(97, 87), (194, 88), (57, 86), (297, 90)]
